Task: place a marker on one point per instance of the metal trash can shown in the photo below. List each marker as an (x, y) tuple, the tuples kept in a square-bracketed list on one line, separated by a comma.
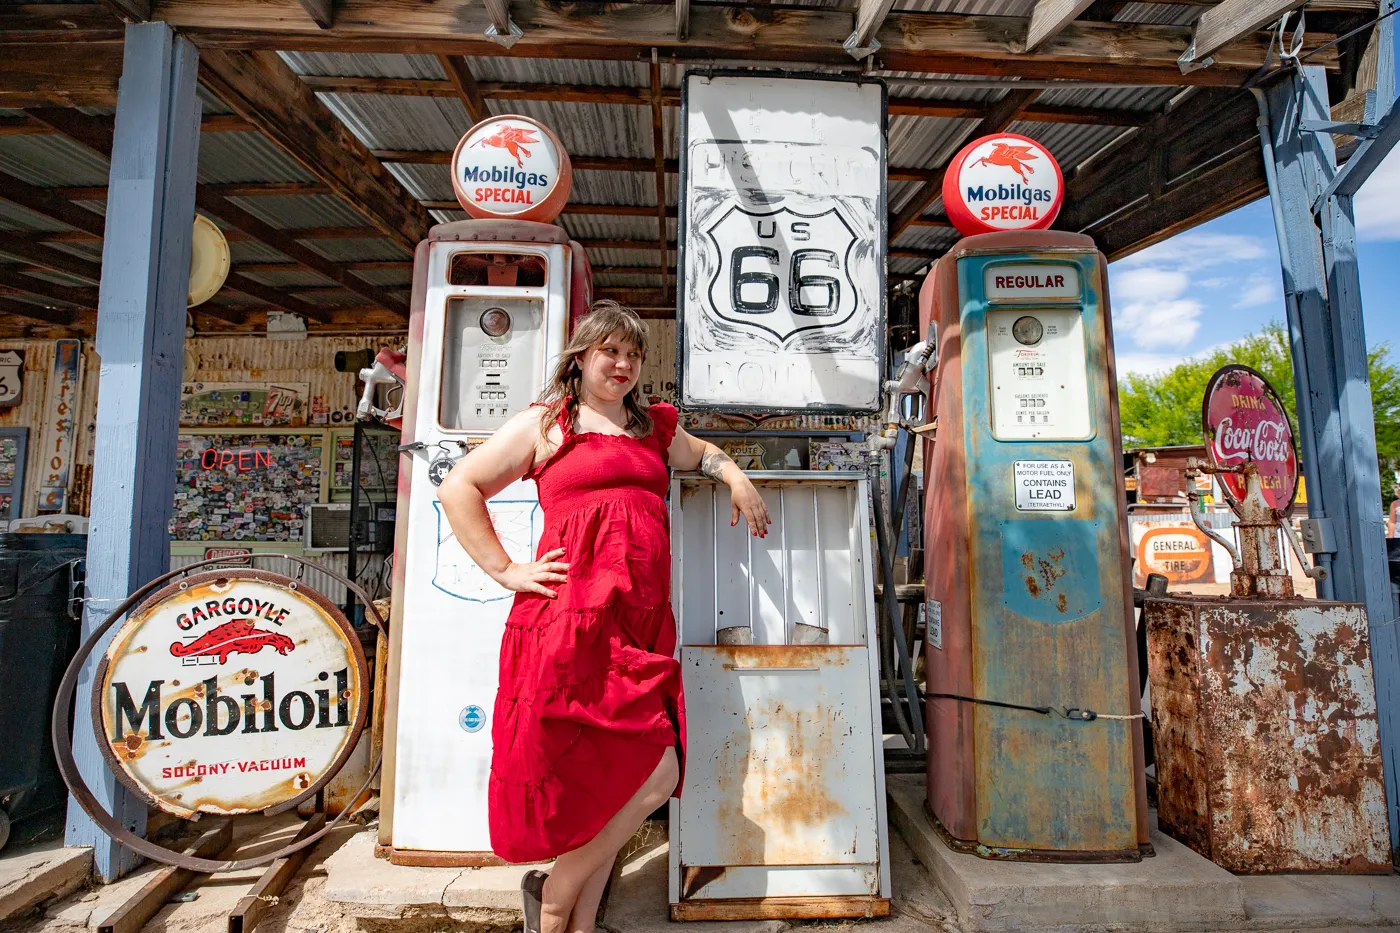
[(40, 611)]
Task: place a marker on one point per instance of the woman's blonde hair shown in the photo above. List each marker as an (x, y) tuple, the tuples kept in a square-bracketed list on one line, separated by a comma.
[(605, 318)]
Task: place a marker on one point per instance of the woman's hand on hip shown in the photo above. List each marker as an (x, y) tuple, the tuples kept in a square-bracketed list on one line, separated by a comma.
[(748, 503), (532, 577)]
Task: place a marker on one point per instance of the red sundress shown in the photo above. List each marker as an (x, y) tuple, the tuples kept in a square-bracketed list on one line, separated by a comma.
[(590, 693)]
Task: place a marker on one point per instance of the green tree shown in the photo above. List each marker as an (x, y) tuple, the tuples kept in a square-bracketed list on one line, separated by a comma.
[(1164, 409)]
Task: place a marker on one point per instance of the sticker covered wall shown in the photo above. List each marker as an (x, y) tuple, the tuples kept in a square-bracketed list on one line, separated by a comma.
[(782, 243)]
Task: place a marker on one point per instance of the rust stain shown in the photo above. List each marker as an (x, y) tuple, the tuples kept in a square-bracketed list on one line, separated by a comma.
[(1266, 734), (774, 798), (1061, 603)]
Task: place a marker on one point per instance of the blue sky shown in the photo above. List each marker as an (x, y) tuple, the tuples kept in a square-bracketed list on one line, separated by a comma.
[(1221, 281)]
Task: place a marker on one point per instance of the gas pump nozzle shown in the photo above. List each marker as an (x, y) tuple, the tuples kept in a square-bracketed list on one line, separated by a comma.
[(920, 358), (388, 369)]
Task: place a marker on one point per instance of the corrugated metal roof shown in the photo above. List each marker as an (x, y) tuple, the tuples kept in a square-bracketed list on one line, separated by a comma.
[(14, 217), (604, 227), (424, 182), (352, 250), (399, 122), (925, 142), (49, 159), (363, 64), (1164, 14), (565, 71), (303, 210), (226, 158)]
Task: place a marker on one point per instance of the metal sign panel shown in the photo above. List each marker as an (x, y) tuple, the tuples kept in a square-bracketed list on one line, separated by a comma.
[(782, 243), (231, 692)]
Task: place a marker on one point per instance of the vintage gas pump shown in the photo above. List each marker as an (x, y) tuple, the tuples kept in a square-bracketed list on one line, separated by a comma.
[(1034, 744), (492, 301)]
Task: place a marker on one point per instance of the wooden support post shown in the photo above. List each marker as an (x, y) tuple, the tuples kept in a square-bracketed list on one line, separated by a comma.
[(140, 337), (1336, 424), (131, 916), (870, 16), (1231, 21), (658, 152), (322, 12), (274, 881)]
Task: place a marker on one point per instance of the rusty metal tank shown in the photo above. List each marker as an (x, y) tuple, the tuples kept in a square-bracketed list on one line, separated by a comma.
[(1030, 600), (1265, 733)]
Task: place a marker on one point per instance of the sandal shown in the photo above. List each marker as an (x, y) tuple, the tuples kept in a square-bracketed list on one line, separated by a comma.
[(532, 890)]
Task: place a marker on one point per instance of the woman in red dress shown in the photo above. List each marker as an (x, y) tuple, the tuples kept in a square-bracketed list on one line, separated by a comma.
[(589, 724)]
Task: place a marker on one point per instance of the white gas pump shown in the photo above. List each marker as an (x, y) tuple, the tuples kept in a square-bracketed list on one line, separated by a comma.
[(492, 300)]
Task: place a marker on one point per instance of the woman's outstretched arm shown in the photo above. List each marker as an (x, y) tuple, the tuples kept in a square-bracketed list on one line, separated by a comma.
[(688, 452)]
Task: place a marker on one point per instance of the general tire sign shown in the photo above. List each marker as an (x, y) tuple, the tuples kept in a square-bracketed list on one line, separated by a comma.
[(231, 691), (782, 243)]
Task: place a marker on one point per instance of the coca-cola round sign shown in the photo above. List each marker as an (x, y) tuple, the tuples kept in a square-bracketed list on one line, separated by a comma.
[(1003, 182), (511, 167), (1244, 421), (231, 691)]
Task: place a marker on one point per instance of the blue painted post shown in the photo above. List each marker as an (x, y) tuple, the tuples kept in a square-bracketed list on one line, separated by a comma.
[(140, 339), (1323, 294)]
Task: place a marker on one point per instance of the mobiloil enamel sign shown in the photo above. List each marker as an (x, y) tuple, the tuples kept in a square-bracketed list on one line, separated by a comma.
[(511, 167), (230, 691), (1002, 182)]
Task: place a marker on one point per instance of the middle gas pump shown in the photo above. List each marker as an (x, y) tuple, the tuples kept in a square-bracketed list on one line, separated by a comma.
[(492, 301), (1033, 708)]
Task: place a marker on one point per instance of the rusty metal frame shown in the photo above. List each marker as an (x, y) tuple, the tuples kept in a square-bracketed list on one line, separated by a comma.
[(68, 769)]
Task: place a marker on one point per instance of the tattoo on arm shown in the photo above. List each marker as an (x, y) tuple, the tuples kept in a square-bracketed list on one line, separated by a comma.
[(713, 462)]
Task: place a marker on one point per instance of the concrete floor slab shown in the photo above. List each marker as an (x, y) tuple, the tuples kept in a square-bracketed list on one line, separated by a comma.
[(1287, 901), (370, 890), (31, 876), (1177, 890)]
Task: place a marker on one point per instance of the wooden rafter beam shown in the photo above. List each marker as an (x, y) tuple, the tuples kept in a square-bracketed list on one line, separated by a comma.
[(918, 42), (275, 297), (96, 134), (129, 11), (47, 23), (463, 83), (322, 12), (670, 97), (372, 265), (682, 11), (28, 126), (1049, 19), (44, 315), (264, 91), (25, 246), (870, 16), (1001, 115), (1231, 21), (81, 296), (76, 74)]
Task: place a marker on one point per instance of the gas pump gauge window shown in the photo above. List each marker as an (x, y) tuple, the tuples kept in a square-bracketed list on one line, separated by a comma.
[(1039, 374), (1027, 330), (493, 360)]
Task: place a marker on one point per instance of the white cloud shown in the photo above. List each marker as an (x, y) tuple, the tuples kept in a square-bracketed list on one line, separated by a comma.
[(1150, 309), (1198, 250), (1375, 207), (1147, 364), (1260, 289)]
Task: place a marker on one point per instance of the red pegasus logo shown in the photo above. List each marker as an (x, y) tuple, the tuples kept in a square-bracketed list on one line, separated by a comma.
[(1012, 156), (512, 139), (231, 637)]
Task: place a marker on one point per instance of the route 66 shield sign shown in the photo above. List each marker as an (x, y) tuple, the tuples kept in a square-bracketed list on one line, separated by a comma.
[(782, 271)]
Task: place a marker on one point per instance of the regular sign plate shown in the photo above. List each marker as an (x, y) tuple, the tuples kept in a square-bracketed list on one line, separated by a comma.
[(1244, 421), (230, 691), (782, 253)]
